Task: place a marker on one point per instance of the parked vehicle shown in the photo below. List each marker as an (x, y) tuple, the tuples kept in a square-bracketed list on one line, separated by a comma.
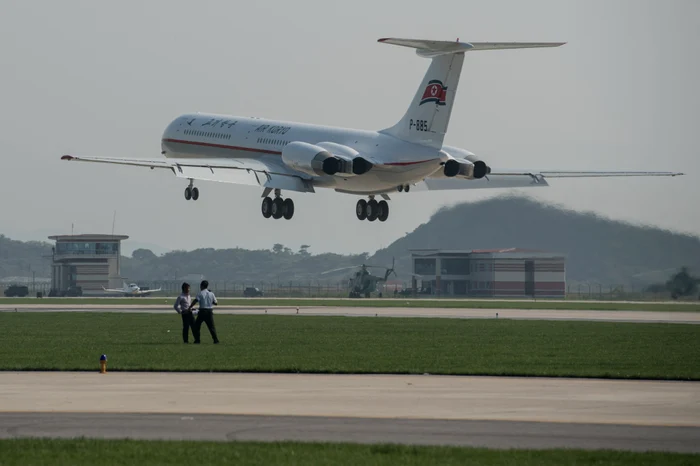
[(17, 291), (252, 292)]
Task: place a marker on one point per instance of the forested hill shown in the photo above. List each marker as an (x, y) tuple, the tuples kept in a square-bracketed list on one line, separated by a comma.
[(280, 264), (20, 258), (598, 249)]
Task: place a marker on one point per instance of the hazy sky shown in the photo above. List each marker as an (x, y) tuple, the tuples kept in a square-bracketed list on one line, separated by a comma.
[(105, 78)]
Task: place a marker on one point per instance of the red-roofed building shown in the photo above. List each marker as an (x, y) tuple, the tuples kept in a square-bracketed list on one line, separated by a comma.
[(493, 273)]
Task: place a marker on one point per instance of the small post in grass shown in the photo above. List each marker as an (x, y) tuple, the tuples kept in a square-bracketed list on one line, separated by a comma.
[(103, 364)]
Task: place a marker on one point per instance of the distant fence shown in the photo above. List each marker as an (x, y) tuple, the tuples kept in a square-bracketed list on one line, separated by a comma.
[(340, 290)]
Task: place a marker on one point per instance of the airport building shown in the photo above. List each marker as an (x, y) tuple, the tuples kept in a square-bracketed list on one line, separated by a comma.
[(492, 273), (88, 262)]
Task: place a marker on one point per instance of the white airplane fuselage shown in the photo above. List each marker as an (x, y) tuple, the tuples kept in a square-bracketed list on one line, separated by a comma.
[(212, 136)]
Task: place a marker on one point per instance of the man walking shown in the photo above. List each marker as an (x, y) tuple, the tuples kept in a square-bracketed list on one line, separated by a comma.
[(182, 307), (206, 300)]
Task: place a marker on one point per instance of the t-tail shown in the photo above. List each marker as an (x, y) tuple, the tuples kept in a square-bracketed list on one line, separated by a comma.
[(428, 116)]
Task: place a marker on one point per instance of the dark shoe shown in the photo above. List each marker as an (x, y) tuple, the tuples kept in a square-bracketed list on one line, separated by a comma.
[(216, 342), (196, 342)]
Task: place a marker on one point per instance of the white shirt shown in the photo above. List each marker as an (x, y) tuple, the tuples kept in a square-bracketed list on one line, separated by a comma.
[(182, 303), (206, 299)]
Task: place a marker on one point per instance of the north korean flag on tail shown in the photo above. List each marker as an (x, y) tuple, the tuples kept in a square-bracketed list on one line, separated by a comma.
[(434, 92)]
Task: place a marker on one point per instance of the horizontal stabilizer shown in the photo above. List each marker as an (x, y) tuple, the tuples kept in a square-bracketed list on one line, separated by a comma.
[(513, 45), (433, 48)]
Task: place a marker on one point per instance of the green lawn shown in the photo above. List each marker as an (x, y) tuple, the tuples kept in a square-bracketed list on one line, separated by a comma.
[(415, 303), (74, 341), (29, 452)]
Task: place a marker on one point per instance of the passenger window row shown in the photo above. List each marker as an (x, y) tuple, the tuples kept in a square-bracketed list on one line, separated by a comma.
[(208, 134), (276, 142)]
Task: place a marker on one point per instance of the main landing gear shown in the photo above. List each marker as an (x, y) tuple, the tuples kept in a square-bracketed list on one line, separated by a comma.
[(372, 210), (278, 207), (191, 192)]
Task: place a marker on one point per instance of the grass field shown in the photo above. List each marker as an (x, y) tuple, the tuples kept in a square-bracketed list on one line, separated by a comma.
[(51, 341), (131, 452), (414, 303)]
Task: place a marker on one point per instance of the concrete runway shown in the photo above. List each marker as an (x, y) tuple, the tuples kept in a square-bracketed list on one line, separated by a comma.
[(485, 434), (477, 411), (454, 313)]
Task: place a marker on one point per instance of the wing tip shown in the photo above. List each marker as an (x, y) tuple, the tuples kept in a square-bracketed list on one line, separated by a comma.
[(67, 157)]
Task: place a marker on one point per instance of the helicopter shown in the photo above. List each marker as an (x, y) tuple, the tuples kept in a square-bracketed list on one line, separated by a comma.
[(362, 283)]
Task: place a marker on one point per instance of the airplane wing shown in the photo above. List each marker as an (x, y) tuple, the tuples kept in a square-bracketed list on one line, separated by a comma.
[(520, 179), (112, 291), (147, 291), (255, 172)]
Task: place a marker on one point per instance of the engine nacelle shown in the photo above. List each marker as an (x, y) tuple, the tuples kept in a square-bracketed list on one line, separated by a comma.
[(359, 164), (313, 160), (479, 170), (461, 168)]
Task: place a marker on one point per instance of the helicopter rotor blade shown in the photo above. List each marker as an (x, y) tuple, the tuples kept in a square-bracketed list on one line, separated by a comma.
[(341, 268)]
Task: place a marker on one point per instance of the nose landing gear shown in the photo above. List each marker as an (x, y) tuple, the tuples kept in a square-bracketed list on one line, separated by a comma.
[(191, 192)]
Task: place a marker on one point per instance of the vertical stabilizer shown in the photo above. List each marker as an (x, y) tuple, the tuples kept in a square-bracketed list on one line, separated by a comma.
[(428, 116)]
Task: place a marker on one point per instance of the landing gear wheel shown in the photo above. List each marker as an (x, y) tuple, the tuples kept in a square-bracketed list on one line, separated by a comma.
[(188, 193), (195, 194), (361, 209), (288, 209), (372, 210), (266, 207), (277, 208), (407, 188), (383, 211)]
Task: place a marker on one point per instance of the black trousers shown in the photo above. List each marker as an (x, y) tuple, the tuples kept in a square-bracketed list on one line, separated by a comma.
[(206, 316), (187, 323)]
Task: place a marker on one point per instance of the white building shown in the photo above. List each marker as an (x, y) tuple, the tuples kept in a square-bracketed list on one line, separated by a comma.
[(87, 261)]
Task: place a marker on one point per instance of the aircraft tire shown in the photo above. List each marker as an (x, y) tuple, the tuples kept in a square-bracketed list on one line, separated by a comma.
[(361, 209), (188, 193), (288, 209), (277, 208), (372, 210), (266, 207), (383, 211), (195, 194)]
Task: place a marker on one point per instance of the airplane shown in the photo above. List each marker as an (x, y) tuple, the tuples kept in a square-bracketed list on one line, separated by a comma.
[(298, 157), (132, 289)]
